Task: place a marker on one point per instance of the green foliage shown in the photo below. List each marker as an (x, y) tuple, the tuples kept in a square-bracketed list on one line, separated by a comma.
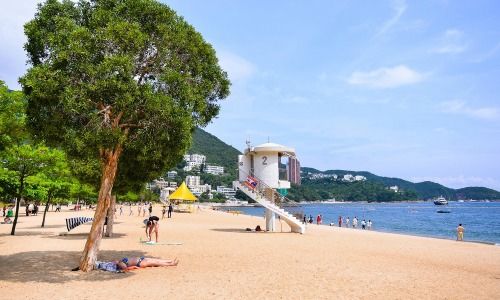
[(216, 151), (110, 76), (12, 117), (324, 189)]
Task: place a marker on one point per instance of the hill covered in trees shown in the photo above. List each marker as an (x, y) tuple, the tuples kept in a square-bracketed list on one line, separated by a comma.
[(375, 188), (424, 190)]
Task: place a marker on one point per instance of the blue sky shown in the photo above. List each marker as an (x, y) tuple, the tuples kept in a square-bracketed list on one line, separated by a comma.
[(404, 89)]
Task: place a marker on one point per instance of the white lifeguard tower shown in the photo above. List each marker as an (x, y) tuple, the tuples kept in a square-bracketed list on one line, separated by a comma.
[(263, 177)]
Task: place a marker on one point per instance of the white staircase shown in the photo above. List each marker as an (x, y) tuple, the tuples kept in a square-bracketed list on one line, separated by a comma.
[(295, 224)]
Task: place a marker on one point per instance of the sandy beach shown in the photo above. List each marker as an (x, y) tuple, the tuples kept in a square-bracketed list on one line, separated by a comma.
[(220, 260)]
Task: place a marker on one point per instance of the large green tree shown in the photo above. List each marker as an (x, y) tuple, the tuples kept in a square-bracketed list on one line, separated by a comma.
[(121, 81)]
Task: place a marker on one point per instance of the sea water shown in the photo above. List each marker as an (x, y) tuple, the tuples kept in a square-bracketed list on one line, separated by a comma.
[(480, 219)]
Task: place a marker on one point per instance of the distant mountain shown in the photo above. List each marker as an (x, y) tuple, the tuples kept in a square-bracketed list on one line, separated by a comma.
[(424, 190), (222, 154)]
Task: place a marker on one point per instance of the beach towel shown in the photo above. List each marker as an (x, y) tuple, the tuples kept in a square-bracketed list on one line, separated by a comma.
[(106, 266), (74, 222)]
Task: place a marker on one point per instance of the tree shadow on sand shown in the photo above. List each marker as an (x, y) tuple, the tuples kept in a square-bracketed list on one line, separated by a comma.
[(55, 266), (236, 230), (80, 236)]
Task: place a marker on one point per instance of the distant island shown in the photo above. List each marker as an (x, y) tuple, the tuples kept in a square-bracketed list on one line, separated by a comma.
[(341, 185)]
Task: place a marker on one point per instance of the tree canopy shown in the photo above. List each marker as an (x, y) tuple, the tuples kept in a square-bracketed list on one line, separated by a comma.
[(123, 82)]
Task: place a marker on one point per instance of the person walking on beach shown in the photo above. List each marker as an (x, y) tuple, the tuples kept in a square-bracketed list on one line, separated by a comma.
[(130, 213), (144, 208), (304, 220), (460, 232), (58, 207), (318, 220), (354, 222), (340, 221), (121, 210), (369, 224), (347, 222), (139, 208), (363, 224), (163, 212)]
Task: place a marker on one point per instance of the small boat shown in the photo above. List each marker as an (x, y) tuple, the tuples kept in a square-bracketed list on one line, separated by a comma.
[(443, 211), (440, 201)]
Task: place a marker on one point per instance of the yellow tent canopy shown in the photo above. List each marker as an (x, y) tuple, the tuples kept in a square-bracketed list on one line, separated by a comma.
[(183, 193)]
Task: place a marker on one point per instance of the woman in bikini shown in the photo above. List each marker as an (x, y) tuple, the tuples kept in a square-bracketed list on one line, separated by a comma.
[(131, 263)]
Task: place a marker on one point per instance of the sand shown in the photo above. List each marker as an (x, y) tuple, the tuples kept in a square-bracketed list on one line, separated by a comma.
[(219, 260)]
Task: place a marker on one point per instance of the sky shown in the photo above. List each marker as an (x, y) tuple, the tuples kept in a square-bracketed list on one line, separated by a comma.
[(406, 89)]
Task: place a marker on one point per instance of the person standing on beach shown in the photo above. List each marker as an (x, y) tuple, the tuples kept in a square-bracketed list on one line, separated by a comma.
[(363, 224), (139, 208), (150, 208), (130, 213), (305, 218), (340, 221), (121, 210), (369, 224), (460, 232), (347, 222), (170, 209), (355, 222)]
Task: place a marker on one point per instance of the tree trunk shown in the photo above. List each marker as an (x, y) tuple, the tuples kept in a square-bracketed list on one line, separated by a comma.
[(111, 216), (46, 209), (109, 167), (18, 202)]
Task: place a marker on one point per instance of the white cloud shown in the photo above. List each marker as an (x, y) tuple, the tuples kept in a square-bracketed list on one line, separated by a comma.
[(386, 77), (451, 42), (399, 8), (237, 67), (461, 108)]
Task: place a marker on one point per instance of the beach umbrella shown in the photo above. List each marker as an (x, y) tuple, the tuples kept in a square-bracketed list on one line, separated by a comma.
[(183, 194)]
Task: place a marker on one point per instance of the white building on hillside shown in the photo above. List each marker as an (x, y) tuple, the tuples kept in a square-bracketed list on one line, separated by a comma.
[(215, 170), (359, 178), (348, 178), (229, 193), (192, 181)]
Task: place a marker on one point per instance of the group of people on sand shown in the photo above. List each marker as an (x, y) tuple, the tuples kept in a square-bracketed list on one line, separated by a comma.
[(342, 222), (346, 222), (32, 209)]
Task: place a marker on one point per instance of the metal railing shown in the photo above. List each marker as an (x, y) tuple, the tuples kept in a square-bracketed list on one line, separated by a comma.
[(270, 194)]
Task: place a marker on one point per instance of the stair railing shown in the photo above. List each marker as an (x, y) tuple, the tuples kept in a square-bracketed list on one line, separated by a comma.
[(276, 198)]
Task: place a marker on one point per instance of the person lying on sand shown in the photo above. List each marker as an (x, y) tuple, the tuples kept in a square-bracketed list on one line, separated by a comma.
[(127, 264), (132, 263)]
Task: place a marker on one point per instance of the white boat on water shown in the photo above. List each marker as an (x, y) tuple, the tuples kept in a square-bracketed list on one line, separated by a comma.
[(440, 201)]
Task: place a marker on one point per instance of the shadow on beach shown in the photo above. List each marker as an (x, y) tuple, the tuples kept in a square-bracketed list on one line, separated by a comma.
[(55, 266), (235, 230), (80, 236)]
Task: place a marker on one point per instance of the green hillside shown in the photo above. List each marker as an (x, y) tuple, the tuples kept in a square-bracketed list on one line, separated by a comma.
[(216, 151), (375, 188), (424, 190)]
